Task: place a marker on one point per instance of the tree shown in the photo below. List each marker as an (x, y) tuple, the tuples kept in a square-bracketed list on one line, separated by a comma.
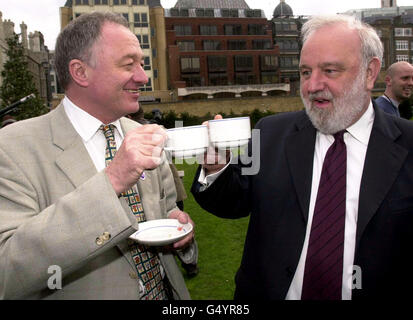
[(18, 83)]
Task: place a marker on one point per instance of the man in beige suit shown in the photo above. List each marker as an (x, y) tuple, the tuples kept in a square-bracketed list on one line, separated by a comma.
[(61, 209)]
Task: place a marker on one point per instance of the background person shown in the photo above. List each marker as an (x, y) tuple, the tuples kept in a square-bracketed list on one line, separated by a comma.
[(399, 87), (327, 200), (75, 182)]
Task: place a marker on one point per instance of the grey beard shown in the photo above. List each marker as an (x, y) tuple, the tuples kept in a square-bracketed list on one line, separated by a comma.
[(346, 108)]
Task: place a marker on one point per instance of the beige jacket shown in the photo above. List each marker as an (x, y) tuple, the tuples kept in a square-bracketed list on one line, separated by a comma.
[(54, 206)]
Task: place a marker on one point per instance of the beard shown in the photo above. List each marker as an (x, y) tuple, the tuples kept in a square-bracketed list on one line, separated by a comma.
[(346, 108)]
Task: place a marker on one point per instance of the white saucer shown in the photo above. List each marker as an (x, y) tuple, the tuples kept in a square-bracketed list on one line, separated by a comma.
[(161, 232)]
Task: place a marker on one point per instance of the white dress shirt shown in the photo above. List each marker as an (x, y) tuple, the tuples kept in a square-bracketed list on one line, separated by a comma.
[(87, 127), (356, 139)]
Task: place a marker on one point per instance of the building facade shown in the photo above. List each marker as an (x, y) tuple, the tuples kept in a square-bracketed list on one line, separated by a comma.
[(220, 49), (36, 53), (286, 32)]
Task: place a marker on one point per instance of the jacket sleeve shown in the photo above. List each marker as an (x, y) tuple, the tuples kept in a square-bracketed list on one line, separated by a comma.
[(67, 233)]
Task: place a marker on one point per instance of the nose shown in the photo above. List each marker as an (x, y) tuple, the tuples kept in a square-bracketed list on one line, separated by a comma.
[(315, 82), (140, 76)]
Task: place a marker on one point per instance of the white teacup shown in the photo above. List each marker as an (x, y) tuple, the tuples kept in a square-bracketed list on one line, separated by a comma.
[(187, 142), (230, 132)]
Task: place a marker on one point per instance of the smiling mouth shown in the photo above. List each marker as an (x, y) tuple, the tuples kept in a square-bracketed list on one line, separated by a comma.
[(132, 90)]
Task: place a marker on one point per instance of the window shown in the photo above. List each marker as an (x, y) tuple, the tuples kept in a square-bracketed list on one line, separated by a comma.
[(231, 30), (289, 62), (244, 78), (211, 45), (256, 29), (218, 79), (186, 45), (97, 2), (154, 53), (184, 30), (146, 63), (262, 44), (402, 57), (126, 16), (217, 63), (192, 80), (123, 2), (115, 2), (411, 45), (140, 20), (237, 44), (232, 13), (144, 41), (402, 45), (403, 32), (148, 85), (189, 64), (269, 62), (243, 63), (208, 30), (269, 77)]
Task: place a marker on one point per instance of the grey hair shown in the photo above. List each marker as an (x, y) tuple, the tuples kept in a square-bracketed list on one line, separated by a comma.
[(371, 45), (76, 40)]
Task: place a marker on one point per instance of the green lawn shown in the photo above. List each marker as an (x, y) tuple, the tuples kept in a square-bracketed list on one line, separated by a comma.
[(220, 244)]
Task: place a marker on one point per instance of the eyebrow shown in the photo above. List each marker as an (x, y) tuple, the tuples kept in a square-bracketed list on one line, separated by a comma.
[(324, 65)]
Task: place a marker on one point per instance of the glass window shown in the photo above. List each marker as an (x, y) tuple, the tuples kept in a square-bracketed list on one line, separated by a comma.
[(217, 63), (256, 29), (208, 30), (402, 45), (115, 2), (402, 57), (183, 30), (211, 45), (269, 62), (237, 44), (186, 45), (189, 64), (230, 29), (261, 44), (243, 63)]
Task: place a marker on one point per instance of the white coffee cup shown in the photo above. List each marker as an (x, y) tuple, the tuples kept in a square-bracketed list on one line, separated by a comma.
[(229, 132), (187, 142)]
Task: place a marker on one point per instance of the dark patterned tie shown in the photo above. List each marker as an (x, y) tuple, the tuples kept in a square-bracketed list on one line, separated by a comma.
[(147, 264), (323, 275)]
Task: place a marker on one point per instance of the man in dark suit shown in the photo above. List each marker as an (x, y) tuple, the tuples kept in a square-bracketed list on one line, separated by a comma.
[(369, 229), (399, 87)]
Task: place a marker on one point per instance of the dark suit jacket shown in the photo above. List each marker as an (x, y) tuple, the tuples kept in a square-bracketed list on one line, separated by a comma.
[(387, 106), (278, 200)]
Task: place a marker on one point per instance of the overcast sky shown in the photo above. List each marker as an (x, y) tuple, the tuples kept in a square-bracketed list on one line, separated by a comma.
[(43, 15)]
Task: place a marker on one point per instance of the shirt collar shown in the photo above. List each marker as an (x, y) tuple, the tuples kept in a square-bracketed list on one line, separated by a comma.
[(361, 129), (392, 101), (85, 124)]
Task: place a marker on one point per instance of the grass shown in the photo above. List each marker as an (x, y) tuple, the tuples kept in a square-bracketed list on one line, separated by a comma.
[(220, 245)]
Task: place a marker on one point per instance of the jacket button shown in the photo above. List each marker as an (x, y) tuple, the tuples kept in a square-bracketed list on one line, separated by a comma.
[(106, 236), (99, 241)]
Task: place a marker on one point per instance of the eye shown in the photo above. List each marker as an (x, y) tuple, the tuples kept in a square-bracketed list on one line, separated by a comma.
[(305, 73)]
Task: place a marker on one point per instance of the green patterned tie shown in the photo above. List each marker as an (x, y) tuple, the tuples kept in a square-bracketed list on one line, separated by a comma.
[(146, 263)]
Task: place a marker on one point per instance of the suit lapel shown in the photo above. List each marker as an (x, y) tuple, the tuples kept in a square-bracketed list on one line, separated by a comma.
[(384, 158), (74, 160), (299, 149)]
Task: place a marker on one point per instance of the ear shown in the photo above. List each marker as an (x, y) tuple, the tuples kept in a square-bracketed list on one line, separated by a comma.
[(387, 79), (373, 70), (79, 72)]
